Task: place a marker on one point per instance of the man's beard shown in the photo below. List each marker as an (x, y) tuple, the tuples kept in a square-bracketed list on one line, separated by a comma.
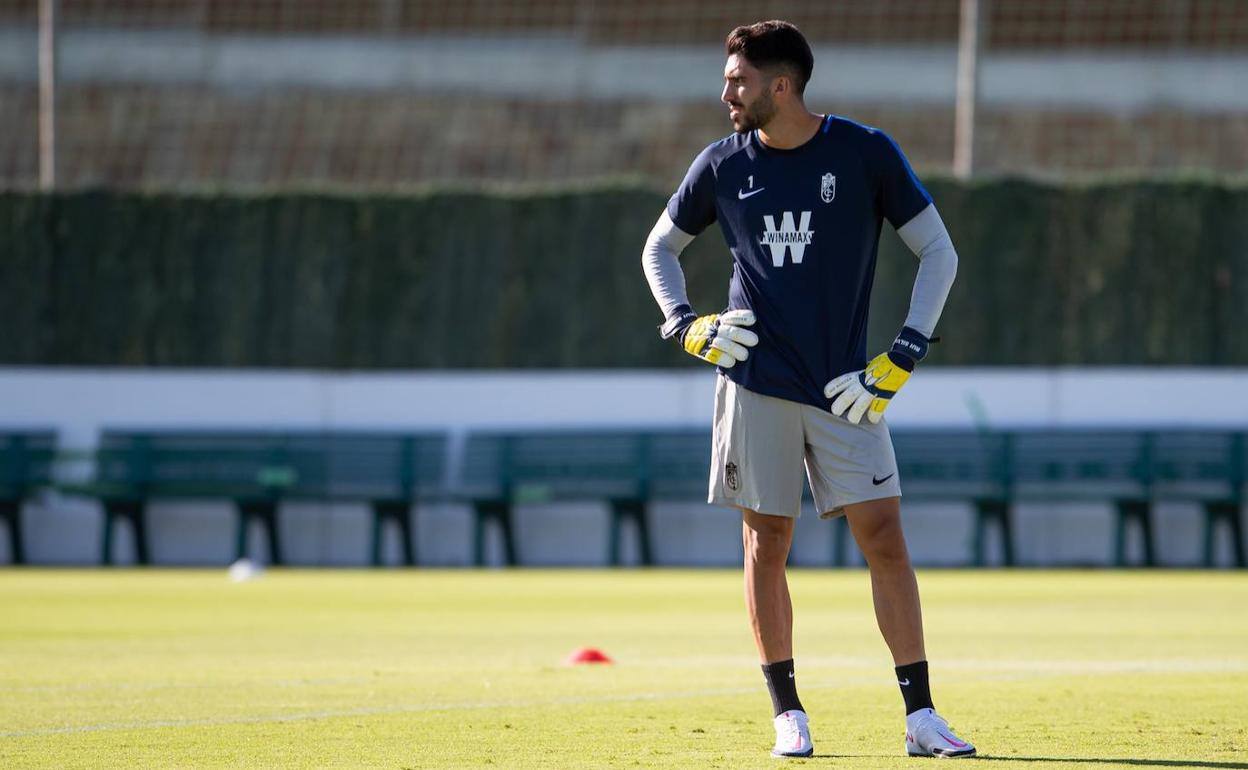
[(756, 115)]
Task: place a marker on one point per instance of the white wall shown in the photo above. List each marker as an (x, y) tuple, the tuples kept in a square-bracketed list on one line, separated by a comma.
[(538, 66), (78, 403)]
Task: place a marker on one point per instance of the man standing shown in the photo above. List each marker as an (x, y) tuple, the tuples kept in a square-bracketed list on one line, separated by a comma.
[(800, 198)]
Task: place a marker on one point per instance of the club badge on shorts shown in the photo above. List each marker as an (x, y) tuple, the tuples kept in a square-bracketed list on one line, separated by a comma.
[(731, 478), (827, 188)]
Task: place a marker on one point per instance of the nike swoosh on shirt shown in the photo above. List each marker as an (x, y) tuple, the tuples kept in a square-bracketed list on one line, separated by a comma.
[(878, 482), (742, 194)]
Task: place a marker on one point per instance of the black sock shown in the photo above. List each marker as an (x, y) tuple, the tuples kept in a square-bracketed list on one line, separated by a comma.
[(782, 686), (912, 678)]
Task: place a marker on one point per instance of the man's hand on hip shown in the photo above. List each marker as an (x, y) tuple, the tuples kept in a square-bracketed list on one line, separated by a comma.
[(718, 338), (870, 390)]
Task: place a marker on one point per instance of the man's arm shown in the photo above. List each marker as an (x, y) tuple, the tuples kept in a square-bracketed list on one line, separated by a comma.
[(717, 338), (927, 237), (907, 205), (660, 259), (870, 391)]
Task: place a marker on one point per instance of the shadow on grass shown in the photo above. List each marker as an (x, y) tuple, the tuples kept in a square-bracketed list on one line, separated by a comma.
[(1107, 761), (1077, 760)]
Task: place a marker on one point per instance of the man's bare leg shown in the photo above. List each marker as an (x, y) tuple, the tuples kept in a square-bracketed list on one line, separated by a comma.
[(767, 540), (876, 526)]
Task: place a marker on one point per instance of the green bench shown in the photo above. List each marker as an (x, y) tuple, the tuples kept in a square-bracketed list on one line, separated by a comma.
[(1136, 470), (960, 466), (1074, 465), (626, 469), (259, 470), (991, 470), (1208, 468), (1131, 469), (25, 466)]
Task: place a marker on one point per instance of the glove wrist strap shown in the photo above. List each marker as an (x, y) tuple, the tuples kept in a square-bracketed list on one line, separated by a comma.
[(680, 320), (909, 348)]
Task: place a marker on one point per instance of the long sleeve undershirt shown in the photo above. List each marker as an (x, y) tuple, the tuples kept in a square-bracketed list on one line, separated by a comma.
[(927, 237), (660, 259)]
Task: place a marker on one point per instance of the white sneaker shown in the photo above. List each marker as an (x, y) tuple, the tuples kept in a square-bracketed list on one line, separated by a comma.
[(793, 735), (928, 735)]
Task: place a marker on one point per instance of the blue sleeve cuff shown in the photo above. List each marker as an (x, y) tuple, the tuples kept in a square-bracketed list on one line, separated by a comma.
[(678, 322), (909, 348)]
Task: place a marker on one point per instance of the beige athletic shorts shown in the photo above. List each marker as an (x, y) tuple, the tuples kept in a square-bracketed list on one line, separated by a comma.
[(761, 445)]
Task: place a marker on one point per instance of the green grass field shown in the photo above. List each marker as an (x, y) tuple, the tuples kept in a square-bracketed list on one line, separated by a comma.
[(422, 668)]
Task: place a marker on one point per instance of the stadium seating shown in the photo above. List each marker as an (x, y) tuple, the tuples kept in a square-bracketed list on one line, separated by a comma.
[(991, 470), (960, 466), (25, 465), (1130, 468), (259, 470), (1211, 468), (627, 469)]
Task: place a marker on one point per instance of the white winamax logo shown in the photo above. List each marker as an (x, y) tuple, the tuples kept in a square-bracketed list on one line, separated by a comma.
[(787, 237)]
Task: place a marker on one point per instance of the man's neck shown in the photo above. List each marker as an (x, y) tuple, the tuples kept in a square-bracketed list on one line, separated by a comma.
[(787, 131)]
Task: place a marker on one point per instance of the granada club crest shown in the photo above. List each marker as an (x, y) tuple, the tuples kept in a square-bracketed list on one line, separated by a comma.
[(827, 188)]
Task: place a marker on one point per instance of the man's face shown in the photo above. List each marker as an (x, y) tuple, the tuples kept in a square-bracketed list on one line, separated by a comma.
[(747, 92)]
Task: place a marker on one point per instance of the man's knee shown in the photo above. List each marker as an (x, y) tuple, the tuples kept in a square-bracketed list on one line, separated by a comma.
[(878, 531), (767, 538), (766, 548), (888, 546)]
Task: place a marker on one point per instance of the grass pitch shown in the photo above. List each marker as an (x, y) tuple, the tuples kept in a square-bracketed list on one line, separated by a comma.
[(155, 668)]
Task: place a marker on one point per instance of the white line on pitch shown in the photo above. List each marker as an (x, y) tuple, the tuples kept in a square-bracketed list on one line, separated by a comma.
[(147, 686), (1048, 666)]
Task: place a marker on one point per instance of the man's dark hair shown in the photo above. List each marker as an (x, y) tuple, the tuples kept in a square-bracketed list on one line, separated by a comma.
[(771, 44)]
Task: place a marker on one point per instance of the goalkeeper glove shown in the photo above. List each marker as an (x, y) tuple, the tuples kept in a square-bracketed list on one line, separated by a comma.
[(718, 338), (870, 390)]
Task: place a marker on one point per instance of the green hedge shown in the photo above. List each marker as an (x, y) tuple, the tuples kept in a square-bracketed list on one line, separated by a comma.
[(1107, 273)]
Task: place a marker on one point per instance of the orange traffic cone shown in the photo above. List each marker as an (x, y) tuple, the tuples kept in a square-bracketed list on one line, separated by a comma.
[(586, 655)]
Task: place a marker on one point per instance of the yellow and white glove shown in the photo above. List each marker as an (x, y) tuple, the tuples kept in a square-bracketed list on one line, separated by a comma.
[(718, 338), (870, 390)]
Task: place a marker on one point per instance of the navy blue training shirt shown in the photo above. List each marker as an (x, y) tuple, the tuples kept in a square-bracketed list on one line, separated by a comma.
[(803, 226)]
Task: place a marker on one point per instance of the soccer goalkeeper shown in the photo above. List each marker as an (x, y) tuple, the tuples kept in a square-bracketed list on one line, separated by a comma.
[(800, 198)]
